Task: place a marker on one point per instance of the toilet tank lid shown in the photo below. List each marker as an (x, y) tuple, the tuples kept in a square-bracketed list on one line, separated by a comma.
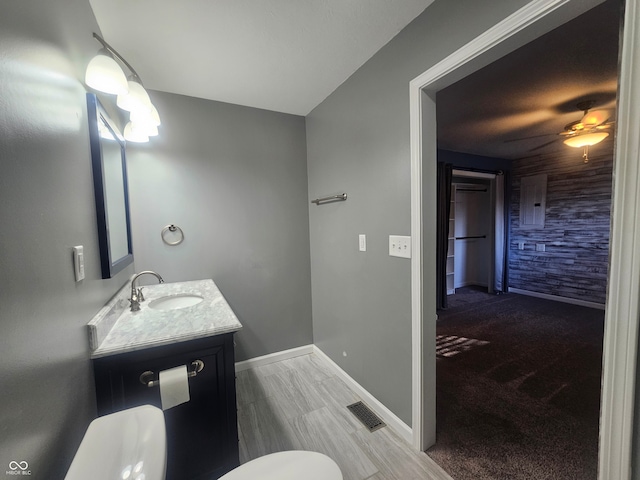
[(289, 465), (130, 444)]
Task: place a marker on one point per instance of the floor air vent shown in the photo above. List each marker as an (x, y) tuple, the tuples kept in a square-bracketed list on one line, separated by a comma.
[(366, 416)]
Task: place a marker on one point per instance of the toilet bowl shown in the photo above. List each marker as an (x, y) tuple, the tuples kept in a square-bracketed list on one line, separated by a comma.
[(132, 445), (129, 444), (290, 465)]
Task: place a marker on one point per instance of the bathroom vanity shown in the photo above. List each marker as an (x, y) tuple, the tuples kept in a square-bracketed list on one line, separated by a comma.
[(130, 349)]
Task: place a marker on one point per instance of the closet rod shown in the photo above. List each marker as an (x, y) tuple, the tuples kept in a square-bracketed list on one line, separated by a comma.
[(471, 236), (471, 190)]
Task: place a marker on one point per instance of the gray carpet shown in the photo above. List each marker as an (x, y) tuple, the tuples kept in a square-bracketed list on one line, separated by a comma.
[(525, 404)]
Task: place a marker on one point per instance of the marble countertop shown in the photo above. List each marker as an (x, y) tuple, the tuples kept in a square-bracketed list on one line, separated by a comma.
[(115, 329)]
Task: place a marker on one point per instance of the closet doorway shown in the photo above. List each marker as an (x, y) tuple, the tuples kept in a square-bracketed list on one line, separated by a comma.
[(476, 253)]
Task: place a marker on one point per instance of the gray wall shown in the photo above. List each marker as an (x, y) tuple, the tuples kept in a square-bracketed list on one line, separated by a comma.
[(46, 207), (358, 142), (235, 180), (576, 229)]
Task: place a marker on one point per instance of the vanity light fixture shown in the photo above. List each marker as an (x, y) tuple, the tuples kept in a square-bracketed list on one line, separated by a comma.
[(105, 75), (586, 140), (134, 134), (136, 98), (145, 117)]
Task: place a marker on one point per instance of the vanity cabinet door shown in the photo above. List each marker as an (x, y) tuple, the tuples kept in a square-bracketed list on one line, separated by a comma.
[(202, 436)]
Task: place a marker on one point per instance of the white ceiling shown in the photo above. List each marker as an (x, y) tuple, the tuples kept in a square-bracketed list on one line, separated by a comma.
[(289, 56), (270, 54)]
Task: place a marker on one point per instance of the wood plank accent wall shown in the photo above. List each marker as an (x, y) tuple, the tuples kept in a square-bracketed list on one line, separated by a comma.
[(576, 230)]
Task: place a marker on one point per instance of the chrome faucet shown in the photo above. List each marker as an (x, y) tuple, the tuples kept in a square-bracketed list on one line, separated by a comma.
[(136, 294)]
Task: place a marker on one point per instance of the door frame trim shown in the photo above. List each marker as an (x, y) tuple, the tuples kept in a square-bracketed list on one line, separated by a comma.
[(622, 308)]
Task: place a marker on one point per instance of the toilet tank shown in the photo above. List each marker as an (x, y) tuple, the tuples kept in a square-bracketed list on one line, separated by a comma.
[(130, 444)]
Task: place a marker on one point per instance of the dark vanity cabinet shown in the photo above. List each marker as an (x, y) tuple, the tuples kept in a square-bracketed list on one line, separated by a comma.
[(202, 434)]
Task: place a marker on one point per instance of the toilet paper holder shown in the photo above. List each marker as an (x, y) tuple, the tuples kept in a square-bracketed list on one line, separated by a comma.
[(146, 378)]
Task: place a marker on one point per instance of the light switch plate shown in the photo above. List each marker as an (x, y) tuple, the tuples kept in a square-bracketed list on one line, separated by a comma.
[(362, 242), (400, 246), (78, 262)]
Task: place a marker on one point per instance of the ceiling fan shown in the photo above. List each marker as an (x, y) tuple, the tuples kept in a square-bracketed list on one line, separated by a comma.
[(591, 122), (587, 131)]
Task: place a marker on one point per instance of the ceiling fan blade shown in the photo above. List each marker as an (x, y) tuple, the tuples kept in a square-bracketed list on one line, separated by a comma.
[(527, 138), (541, 146)]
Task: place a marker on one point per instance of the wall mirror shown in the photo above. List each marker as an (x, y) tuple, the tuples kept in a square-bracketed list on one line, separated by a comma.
[(111, 191)]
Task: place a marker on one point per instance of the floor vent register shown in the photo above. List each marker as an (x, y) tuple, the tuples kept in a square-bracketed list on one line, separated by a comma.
[(366, 416)]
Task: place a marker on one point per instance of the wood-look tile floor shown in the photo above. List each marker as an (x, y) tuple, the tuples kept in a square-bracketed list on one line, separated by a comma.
[(299, 404)]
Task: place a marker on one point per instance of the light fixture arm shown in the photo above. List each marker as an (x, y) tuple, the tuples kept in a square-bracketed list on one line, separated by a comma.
[(114, 52)]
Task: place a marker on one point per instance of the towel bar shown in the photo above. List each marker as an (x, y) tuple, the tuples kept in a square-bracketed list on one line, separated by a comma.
[(332, 198)]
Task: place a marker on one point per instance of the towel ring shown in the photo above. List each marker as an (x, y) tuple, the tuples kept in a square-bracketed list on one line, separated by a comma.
[(172, 228)]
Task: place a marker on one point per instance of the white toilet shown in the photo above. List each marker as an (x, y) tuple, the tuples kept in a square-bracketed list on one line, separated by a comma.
[(291, 465), (132, 445)]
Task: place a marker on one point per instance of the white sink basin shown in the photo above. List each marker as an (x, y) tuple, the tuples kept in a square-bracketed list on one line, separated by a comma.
[(171, 302)]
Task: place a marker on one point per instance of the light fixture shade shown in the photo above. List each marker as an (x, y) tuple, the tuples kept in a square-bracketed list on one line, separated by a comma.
[(586, 139), (595, 118), (152, 130), (147, 129), (133, 134), (136, 99), (155, 115), (105, 75), (146, 117)]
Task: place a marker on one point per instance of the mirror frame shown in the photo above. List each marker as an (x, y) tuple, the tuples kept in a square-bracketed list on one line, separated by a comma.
[(96, 113)]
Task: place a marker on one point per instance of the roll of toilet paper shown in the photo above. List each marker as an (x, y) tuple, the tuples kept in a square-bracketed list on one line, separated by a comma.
[(174, 387)]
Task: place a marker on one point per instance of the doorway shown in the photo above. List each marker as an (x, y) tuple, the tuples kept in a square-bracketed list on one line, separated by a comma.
[(472, 247), (622, 307)]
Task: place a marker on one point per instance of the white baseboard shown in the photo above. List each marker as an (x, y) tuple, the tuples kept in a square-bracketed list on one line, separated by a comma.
[(557, 298), (372, 402), (274, 357)]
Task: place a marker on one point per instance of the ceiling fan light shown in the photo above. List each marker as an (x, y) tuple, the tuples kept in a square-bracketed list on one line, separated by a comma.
[(105, 75), (136, 99), (594, 118), (586, 139)]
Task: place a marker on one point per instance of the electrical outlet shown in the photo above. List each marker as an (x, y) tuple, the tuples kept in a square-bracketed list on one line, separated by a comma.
[(540, 247), (362, 242), (520, 245), (400, 246)]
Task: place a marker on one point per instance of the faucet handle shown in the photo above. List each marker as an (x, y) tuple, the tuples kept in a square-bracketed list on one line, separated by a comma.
[(140, 295), (135, 304)]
